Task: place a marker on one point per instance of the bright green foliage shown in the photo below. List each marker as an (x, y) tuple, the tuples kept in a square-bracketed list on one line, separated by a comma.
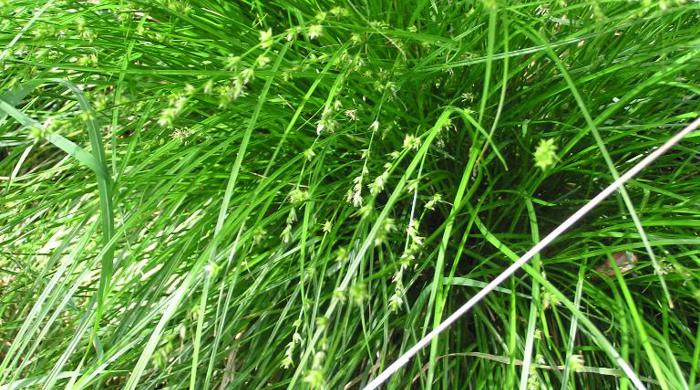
[(288, 194)]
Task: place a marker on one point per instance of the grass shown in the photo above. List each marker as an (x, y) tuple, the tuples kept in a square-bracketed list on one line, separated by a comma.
[(290, 194)]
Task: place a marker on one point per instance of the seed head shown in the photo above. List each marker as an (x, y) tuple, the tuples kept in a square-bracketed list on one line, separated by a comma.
[(327, 226), (545, 155), (262, 61), (576, 362), (314, 31), (266, 38)]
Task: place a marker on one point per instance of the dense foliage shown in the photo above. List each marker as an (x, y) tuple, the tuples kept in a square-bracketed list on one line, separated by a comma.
[(290, 193)]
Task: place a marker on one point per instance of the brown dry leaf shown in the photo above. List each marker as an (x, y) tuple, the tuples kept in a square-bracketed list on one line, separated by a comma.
[(626, 261)]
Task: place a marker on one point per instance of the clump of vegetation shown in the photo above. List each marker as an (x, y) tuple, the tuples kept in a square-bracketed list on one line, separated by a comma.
[(248, 194)]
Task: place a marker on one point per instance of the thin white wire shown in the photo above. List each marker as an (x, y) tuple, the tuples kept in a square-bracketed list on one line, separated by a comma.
[(406, 357)]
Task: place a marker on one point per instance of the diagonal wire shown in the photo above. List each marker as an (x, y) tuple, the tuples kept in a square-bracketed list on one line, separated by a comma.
[(614, 186)]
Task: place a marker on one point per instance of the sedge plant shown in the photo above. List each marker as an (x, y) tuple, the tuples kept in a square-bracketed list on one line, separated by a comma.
[(289, 194)]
